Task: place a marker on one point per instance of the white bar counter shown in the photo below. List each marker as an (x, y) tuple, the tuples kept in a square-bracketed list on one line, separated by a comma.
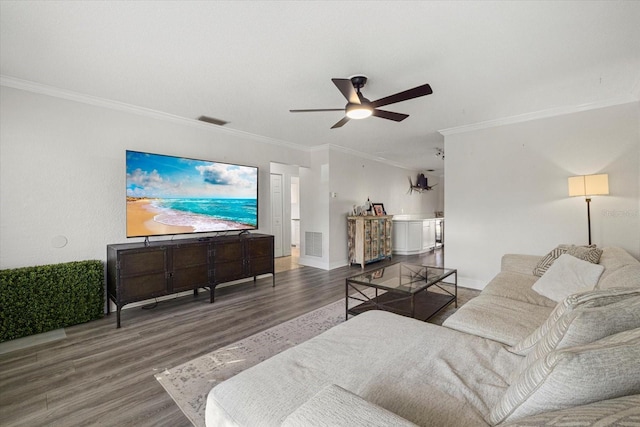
[(416, 233)]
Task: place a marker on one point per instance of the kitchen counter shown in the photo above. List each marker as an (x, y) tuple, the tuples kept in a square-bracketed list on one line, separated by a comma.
[(417, 233)]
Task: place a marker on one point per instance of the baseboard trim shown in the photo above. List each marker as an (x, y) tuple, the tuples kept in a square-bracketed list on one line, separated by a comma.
[(32, 340)]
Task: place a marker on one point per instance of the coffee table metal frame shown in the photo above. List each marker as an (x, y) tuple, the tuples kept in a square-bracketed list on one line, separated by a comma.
[(405, 290)]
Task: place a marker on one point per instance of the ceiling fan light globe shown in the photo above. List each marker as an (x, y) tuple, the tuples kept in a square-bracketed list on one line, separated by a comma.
[(355, 111)]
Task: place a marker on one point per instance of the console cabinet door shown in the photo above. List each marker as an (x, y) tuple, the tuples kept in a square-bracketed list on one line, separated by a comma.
[(260, 253), (189, 267), (228, 261), (143, 274)]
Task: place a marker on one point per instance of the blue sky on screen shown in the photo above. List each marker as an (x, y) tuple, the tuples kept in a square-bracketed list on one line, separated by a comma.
[(160, 176)]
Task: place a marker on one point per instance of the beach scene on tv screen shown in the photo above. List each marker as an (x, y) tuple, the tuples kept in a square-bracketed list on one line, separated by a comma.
[(175, 195)]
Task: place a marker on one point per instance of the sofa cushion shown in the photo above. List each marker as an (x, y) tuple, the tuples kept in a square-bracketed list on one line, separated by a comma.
[(517, 287), (422, 372), (614, 257), (583, 326), (627, 276), (594, 298), (586, 253), (621, 411), (588, 324), (567, 276), (499, 319), (519, 263), (335, 406), (574, 376)]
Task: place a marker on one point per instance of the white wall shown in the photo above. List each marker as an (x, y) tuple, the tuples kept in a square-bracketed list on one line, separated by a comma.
[(314, 207), (353, 179), (62, 172), (507, 188)]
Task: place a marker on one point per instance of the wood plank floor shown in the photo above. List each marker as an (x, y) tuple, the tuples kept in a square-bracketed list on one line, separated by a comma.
[(100, 375)]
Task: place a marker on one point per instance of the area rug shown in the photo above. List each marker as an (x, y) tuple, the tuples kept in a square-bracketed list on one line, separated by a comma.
[(188, 384)]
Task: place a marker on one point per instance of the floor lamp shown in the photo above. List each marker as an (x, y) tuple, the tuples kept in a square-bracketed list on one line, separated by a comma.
[(587, 186)]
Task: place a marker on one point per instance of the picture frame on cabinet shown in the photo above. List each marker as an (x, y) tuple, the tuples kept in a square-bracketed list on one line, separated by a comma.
[(378, 209)]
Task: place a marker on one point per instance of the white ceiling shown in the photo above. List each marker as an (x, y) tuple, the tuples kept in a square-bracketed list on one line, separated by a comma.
[(250, 62)]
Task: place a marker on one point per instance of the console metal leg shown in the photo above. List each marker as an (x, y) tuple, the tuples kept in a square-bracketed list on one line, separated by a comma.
[(455, 287), (346, 293)]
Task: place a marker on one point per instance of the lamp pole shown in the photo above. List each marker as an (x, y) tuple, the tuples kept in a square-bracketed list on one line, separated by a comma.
[(588, 200)]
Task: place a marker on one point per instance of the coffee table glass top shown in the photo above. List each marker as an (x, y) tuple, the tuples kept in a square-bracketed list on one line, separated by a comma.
[(402, 277)]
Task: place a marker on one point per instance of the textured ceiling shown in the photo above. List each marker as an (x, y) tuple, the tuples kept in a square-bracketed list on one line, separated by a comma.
[(249, 62)]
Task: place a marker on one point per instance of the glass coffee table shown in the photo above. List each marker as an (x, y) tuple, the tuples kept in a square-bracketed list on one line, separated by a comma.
[(402, 288)]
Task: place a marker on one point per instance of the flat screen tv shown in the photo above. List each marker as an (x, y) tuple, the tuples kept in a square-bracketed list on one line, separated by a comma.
[(169, 195)]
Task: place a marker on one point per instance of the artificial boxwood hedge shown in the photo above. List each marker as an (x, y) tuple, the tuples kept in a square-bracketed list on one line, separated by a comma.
[(47, 297)]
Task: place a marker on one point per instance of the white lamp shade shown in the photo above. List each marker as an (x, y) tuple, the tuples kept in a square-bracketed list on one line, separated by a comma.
[(589, 185)]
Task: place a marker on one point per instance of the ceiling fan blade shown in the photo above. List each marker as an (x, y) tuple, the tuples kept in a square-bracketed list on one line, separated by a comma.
[(346, 88), (320, 109), (403, 96), (341, 123), (390, 115)]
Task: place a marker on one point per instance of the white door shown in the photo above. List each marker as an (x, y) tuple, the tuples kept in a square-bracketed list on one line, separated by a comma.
[(277, 208), (295, 211)]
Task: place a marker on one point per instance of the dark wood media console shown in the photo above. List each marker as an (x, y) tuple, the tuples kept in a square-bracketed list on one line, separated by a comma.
[(137, 272)]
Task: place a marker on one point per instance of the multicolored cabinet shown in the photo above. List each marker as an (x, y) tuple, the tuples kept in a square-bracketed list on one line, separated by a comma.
[(370, 238)]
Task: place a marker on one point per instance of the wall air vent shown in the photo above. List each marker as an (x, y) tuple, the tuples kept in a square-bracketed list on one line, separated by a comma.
[(313, 243), (212, 120)]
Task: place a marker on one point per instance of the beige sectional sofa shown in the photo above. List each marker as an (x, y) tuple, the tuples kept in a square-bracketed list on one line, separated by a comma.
[(509, 356)]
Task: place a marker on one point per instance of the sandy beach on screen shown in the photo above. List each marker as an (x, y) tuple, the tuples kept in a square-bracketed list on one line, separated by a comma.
[(140, 221)]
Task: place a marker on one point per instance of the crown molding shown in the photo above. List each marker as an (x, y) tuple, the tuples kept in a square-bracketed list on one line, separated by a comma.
[(96, 101), (552, 112), (359, 154)]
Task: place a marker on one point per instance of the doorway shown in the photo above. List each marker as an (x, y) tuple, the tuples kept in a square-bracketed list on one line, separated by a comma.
[(285, 214), (277, 214)]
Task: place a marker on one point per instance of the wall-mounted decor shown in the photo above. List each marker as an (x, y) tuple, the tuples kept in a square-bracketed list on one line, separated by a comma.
[(421, 184)]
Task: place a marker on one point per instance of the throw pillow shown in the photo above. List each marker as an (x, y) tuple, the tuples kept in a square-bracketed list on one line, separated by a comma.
[(566, 276), (574, 376), (621, 411), (587, 253), (547, 260), (583, 326), (588, 324), (595, 298)]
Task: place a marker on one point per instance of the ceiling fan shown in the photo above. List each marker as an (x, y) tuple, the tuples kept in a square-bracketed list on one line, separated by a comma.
[(359, 107)]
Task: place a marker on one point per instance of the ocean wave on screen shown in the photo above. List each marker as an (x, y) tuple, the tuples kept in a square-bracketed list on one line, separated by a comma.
[(237, 211), (200, 223)]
